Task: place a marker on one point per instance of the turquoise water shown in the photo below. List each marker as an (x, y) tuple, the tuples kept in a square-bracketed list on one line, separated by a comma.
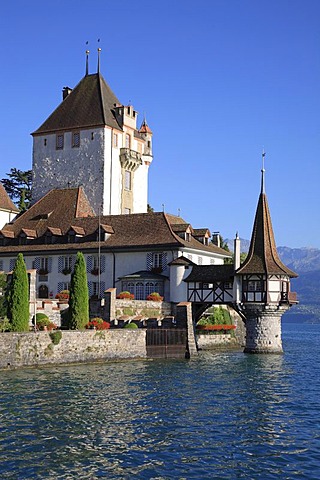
[(221, 416)]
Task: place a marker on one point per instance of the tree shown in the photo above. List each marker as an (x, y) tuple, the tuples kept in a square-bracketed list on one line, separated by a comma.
[(18, 297), (150, 209), (78, 315), (18, 187), (3, 283)]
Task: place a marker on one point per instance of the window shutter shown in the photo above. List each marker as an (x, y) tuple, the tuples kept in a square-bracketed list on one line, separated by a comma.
[(149, 261), (89, 264), (60, 286), (60, 266), (36, 263), (102, 263), (49, 264), (90, 287), (102, 289), (164, 261)]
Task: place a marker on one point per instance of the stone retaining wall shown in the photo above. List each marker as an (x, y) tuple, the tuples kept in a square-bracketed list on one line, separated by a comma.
[(36, 349), (206, 342)]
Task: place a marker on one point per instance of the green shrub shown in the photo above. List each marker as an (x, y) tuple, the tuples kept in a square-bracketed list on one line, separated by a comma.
[(131, 326), (78, 315), (17, 297), (55, 337), (5, 325)]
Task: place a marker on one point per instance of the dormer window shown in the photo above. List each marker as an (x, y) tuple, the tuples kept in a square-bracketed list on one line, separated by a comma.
[(188, 237), (59, 141), (75, 139)]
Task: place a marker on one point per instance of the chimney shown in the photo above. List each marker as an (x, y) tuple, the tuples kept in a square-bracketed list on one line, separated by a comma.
[(236, 252), (65, 92), (216, 239)]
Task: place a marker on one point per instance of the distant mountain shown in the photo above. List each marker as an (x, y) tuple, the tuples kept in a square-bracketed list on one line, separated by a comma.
[(305, 262)]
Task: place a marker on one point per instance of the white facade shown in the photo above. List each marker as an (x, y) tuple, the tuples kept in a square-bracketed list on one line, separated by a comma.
[(6, 216)]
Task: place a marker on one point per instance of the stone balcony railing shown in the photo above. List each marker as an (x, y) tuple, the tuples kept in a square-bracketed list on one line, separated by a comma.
[(130, 159)]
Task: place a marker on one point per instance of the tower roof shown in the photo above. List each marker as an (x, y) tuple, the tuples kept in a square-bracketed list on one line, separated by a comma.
[(144, 127), (263, 256), (90, 104)]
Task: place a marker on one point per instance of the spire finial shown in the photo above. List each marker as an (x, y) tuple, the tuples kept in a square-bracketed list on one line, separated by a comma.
[(263, 172), (87, 59), (99, 51)]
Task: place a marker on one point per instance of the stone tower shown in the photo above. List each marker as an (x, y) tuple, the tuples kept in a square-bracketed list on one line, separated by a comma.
[(92, 140), (265, 285)]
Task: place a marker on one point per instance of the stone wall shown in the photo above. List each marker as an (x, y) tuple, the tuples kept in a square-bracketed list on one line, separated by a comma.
[(207, 342), (36, 349)]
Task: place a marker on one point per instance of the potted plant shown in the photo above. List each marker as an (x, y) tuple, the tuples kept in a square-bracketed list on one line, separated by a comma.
[(155, 297), (126, 296), (63, 295)]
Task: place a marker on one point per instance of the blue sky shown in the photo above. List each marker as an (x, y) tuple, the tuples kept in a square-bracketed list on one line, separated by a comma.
[(218, 81)]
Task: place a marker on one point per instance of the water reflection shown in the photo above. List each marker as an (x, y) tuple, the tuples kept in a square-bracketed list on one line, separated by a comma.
[(219, 416)]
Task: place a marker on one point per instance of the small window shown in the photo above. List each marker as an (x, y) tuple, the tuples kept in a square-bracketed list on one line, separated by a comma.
[(75, 139), (127, 180), (45, 142), (115, 140), (129, 110), (199, 260), (92, 135), (128, 140), (149, 144), (59, 141)]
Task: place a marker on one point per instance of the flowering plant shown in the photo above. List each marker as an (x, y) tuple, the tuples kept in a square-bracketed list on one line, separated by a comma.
[(126, 295), (63, 295), (216, 327), (155, 297), (98, 324)]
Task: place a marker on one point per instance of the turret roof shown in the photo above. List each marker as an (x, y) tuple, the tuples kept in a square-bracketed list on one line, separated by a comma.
[(263, 256), (144, 127), (90, 104)]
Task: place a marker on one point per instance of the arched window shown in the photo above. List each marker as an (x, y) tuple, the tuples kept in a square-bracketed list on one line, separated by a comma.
[(43, 291), (149, 288), (139, 291)]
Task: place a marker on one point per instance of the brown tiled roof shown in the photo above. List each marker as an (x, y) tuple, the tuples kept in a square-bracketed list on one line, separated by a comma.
[(182, 260), (7, 233), (142, 230), (144, 127), (55, 231), (5, 202), (90, 104), (56, 209), (78, 230), (181, 227), (201, 232), (29, 232), (211, 273), (263, 256)]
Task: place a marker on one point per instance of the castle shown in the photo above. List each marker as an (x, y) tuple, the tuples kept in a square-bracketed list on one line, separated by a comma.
[(90, 179)]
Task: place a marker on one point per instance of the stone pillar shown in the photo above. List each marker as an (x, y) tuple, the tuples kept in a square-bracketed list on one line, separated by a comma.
[(263, 328), (110, 304), (184, 318)]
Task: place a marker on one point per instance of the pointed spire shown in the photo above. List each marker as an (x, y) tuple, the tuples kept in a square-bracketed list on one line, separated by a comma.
[(87, 61), (263, 256), (263, 173), (99, 51), (144, 126)]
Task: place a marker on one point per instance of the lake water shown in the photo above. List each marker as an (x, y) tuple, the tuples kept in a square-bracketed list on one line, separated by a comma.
[(220, 416)]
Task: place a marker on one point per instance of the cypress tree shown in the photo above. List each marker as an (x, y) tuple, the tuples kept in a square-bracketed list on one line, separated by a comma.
[(79, 295), (18, 297)]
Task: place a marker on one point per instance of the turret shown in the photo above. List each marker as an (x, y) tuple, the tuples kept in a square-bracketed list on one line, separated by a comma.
[(265, 282), (146, 134)]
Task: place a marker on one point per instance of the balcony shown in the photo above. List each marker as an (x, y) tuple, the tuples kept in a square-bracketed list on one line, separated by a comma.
[(130, 159), (289, 297)]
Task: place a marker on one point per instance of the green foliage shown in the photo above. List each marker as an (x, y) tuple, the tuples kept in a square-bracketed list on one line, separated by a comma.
[(5, 325), (217, 316), (150, 312), (56, 337), (18, 297), (3, 285), (42, 321), (18, 187), (128, 311), (78, 315), (131, 326)]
